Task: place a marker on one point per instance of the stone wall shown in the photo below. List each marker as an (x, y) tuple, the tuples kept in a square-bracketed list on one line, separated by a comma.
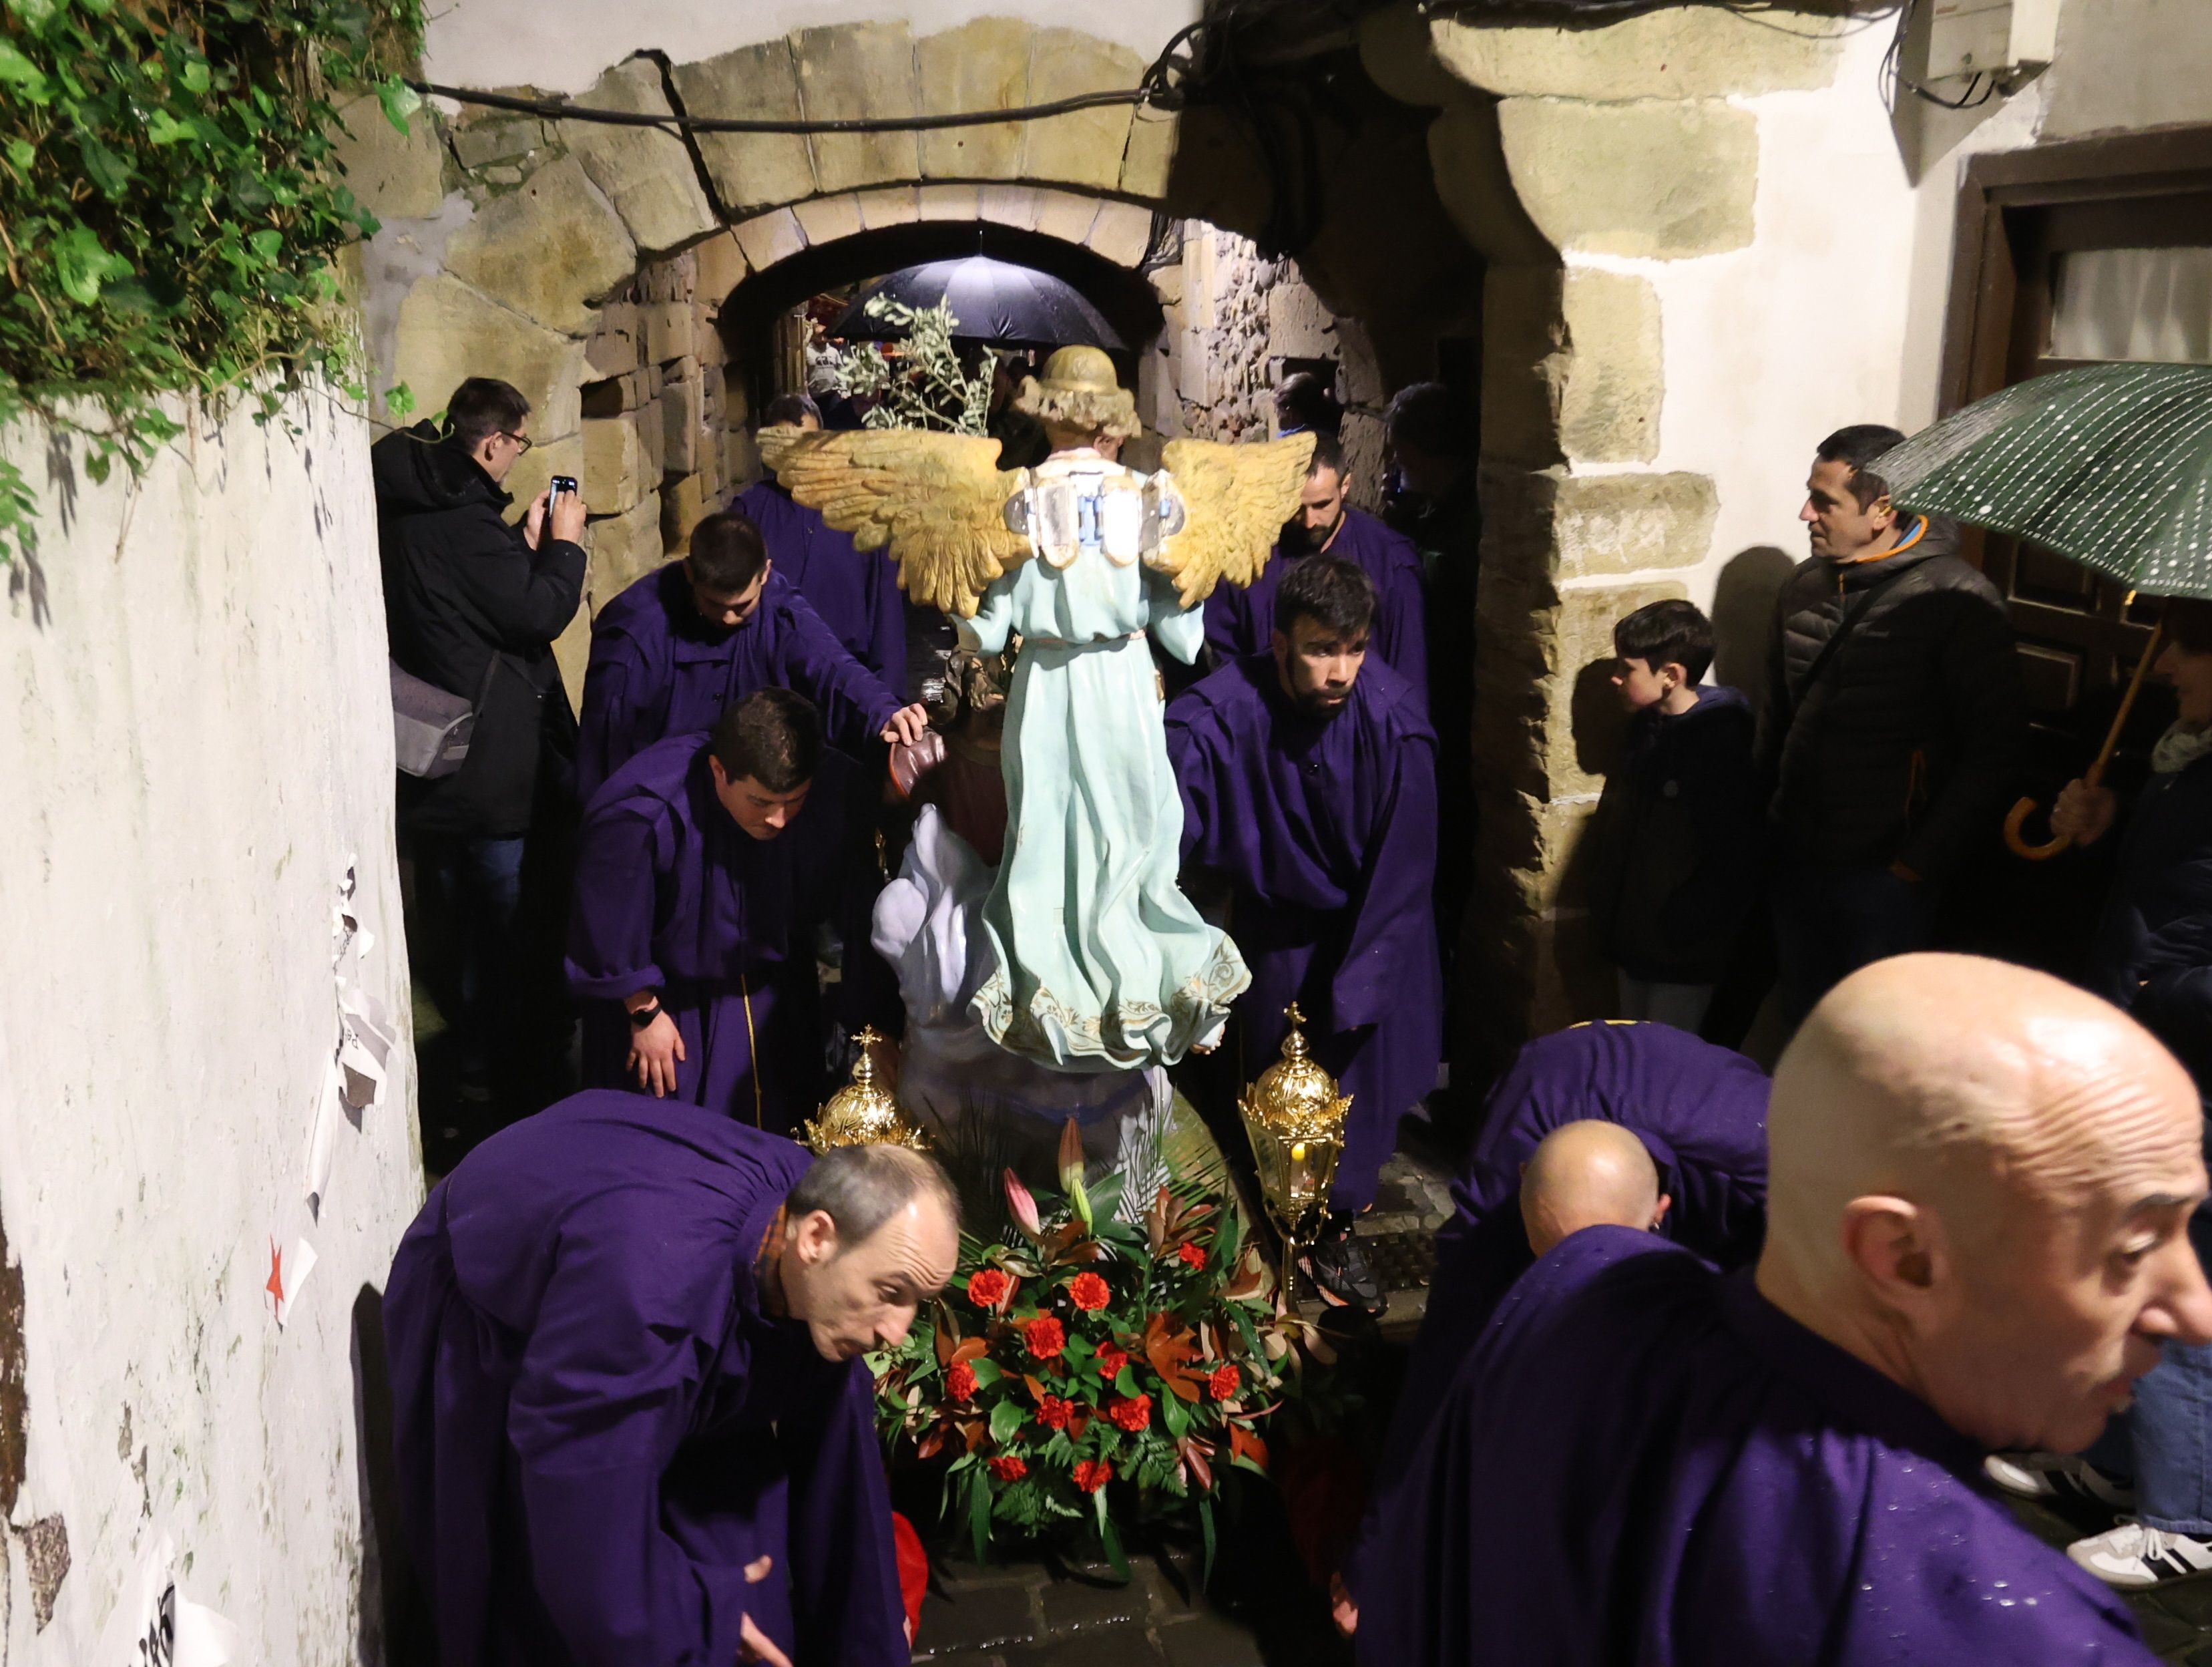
[(200, 749), (1233, 316)]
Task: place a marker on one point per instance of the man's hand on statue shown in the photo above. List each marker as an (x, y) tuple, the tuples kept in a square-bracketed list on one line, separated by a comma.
[(908, 725), (753, 1645), (2084, 814), (654, 1054), (1341, 1609)]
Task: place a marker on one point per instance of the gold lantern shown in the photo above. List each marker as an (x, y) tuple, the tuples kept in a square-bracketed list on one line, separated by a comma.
[(1295, 1119), (860, 1113)]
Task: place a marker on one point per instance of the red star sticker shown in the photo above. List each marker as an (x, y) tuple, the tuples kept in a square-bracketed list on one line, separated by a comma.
[(276, 1286)]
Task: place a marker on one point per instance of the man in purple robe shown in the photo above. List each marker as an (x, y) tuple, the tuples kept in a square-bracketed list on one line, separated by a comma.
[(630, 1420), (1979, 1184), (1308, 787), (670, 653), (703, 869), (854, 593), (1689, 1165), (1241, 620)]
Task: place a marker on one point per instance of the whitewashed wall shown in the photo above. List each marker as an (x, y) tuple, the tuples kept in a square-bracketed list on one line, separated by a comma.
[(198, 744)]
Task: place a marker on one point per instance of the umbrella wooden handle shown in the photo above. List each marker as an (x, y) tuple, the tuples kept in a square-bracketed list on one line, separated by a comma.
[(2020, 812)]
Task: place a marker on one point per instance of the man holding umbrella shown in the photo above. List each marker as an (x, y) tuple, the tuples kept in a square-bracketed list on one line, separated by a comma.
[(1895, 726)]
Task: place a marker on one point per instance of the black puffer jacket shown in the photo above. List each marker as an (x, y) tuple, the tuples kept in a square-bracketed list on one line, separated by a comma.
[(2154, 948), (459, 587), (1905, 748)]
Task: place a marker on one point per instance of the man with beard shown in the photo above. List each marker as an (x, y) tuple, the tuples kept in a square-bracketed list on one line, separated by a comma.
[(1242, 622), (631, 1420), (681, 645), (1308, 787)]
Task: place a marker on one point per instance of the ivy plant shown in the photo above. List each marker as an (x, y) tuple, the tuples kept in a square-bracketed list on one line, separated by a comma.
[(170, 214)]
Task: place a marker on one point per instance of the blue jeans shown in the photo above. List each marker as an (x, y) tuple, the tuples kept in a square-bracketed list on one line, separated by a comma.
[(2165, 1440), (1830, 921), (470, 890)]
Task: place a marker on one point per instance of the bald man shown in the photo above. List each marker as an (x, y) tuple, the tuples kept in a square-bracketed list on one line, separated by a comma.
[(1979, 1179), (1589, 1174)]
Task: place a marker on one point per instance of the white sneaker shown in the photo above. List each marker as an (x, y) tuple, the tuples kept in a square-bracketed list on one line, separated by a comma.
[(2057, 1476), (2133, 1556)]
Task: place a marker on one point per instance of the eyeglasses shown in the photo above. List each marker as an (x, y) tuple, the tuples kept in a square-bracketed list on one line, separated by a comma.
[(522, 441)]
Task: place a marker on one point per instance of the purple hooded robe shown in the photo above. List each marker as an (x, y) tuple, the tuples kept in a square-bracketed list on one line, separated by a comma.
[(599, 1421), (1326, 830), (657, 670), (1240, 620), (1645, 1464), (855, 593), (672, 894)]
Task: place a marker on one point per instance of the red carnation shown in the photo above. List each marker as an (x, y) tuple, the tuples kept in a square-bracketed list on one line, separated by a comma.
[(1111, 1359), (960, 1381), (1224, 1382), (1009, 1466), (1054, 1413), (1093, 1474), (1191, 1255), (1089, 1292), (988, 1288), (1043, 1336), (1130, 1414)]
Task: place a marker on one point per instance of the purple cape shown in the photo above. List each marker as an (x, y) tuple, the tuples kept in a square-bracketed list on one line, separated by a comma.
[(1327, 831), (657, 670), (1644, 1461), (855, 592), (672, 894), (1700, 1112), (596, 1425), (1241, 620)]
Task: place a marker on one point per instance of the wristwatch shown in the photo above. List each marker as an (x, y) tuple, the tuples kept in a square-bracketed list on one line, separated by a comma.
[(640, 1018)]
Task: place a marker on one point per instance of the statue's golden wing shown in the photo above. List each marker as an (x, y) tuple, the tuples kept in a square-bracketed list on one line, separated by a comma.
[(938, 500), (1235, 501)]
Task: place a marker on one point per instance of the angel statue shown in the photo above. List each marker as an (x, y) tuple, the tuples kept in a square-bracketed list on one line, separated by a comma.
[(1089, 957)]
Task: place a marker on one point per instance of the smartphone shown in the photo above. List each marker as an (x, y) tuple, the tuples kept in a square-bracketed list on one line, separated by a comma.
[(559, 485)]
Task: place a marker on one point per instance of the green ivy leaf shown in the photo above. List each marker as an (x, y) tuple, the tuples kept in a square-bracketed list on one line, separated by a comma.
[(400, 100), (267, 243), (18, 71), (82, 265), (110, 172), (163, 128), (399, 400), (22, 153), (36, 13), (196, 76)]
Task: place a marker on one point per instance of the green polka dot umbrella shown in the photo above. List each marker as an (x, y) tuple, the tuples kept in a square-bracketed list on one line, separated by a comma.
[(2111, 465)]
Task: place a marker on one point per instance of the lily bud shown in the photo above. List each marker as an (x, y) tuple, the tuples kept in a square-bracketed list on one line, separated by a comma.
[(1071, 1171), (1023, 1207)]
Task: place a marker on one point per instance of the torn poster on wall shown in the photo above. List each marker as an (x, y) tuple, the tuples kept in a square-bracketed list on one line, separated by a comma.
[(167, 1629), (354, 1079), (288, 1272)]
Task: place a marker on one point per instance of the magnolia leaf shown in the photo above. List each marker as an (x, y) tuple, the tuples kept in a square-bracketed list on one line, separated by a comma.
[(1108, 1538), (1205, 1523), (1125, 1381), (979, 1513), (1005, 1419), (968, 1348), (987, 1372), (1176, 1415)]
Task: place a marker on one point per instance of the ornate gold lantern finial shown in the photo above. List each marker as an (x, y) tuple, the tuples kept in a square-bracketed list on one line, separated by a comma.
[(860, 1113), (1294, 1118)]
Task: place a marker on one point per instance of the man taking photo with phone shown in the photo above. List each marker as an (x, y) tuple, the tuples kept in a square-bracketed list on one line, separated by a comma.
[(472, 604)]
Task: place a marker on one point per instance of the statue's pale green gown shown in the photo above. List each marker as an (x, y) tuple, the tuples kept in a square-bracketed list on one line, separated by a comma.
[(1096, 960)]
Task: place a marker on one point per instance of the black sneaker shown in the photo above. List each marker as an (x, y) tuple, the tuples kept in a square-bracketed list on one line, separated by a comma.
[(1341, 1273)]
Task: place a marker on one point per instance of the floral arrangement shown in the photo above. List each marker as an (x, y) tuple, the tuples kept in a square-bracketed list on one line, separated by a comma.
[(1092, 1358), (922, 384)]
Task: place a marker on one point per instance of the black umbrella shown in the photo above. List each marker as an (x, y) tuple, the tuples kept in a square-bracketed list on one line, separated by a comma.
[(992, 301)]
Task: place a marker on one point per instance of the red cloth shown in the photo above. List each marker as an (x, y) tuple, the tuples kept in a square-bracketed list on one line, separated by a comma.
[(912, 1572)]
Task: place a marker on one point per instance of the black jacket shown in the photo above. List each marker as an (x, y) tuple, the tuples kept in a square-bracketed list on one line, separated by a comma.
[(1905, 749), (1677, 840), (2152, 953), (460, 586)]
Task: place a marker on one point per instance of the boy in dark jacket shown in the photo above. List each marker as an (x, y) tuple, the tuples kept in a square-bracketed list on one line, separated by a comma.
[(473, 606), (1678, 831)]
